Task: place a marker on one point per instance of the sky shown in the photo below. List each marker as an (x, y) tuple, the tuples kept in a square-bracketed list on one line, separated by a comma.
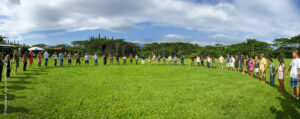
[(202, 22)]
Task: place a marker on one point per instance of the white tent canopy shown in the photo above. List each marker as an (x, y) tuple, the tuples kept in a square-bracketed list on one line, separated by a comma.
[(36, 49)]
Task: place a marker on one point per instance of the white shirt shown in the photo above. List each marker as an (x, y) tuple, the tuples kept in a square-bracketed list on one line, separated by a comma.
[(170, 58), (95, 57), (232, 60), (175, 58), (295, 66), (46, 55), (55, 56), (86, 57), (198, 59), (280, 68), (136, 57), (221, 59), (208, 59)]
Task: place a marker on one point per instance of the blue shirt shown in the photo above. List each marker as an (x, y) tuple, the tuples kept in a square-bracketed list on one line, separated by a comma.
[(61, 56), (164, 59), (228, 59), (143, 58)]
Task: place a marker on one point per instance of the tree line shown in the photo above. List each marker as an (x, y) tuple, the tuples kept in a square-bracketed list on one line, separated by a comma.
[(102, 45)]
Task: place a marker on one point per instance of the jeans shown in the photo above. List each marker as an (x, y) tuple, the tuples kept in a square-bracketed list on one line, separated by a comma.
[(198, 63), (175, 62), (272, 77), (46, 61), (182, 63), (61, 62), (136, 61), (96, 62), (55, 62), (208, 66)]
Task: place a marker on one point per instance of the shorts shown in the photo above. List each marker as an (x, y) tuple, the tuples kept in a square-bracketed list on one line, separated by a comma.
[(227, 65), (256, 70), (242, 66), (263, 71), (69, 61), (231, 65), (17, 64), (294, 82)]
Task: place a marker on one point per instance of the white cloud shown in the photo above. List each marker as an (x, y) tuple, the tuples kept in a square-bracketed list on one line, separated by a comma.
[(260, 18)]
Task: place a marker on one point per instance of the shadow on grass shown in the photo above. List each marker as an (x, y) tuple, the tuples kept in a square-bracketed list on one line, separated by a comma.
[(288, 104), (12, 109)]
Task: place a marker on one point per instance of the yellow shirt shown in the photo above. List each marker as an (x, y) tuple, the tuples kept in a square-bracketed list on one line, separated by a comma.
[(262, 64)]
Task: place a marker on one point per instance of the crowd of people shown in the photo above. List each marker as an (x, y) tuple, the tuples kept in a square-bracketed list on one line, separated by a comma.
[(257, 65)]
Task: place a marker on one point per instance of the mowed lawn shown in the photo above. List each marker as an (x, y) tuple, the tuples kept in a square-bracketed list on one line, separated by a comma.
[(143, 91)]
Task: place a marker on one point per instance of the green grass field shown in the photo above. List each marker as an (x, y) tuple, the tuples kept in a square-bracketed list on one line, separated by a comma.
[(143, 91)]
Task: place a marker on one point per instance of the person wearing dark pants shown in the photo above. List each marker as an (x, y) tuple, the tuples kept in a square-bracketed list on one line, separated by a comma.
[(8, 66), (55, 58), (1, 66), (46, 55), (24, 61)]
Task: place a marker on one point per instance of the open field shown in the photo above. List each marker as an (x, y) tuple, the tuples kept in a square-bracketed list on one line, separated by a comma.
[(143, 91)]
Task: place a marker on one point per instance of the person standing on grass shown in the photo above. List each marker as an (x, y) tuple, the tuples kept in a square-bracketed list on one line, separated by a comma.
[(143, 59), (154, 59), (250, 66), (164, 60), (247, 64), (213, 62), (295, 74), (39, 59), (228, 62), (24, 61), (86, 59), (242, 63), (55, 59), (7, 66), (69, 59), (117, 58), (221, 61), (124, 59), (170, 59), (30, 59), (263, 67), (281, 70), (130, 58), (149, 59), (16, 61), (95, 57), (231, 63), (1, 66), (202, 61), (61, 59), (175, 60), (77, 58), (111, 59), (158, 59), (182, 60), (136, 59), (192, 60), (208, 62), (104, 59), (237, 63), (198, 61), (256, 65), (272, 72), (46, 55)]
